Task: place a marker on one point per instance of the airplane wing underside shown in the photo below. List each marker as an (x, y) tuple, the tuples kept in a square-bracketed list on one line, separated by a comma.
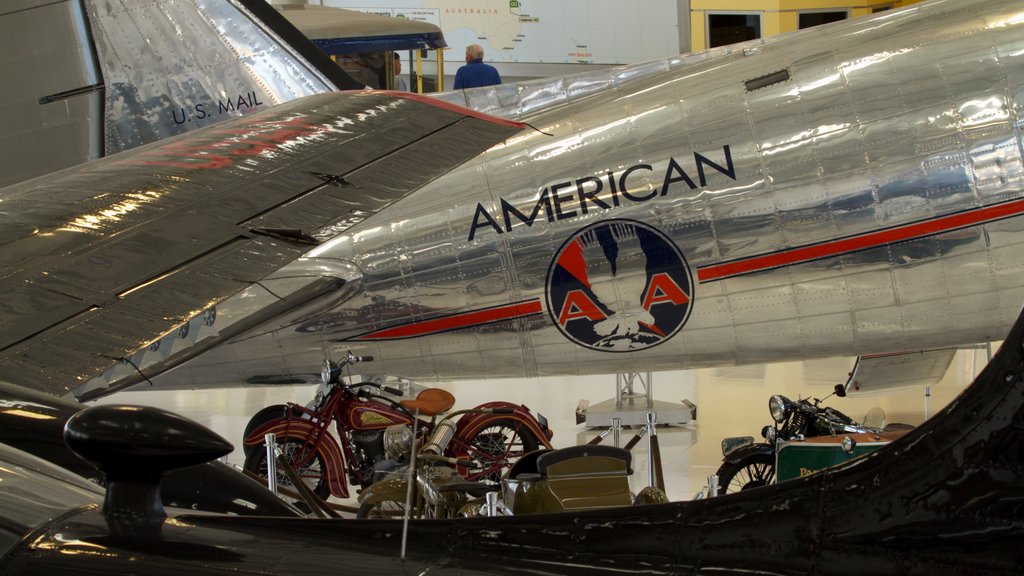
[(98, 261)]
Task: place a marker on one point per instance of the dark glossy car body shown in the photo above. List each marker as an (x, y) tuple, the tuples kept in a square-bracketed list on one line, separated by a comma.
[(34, 422)]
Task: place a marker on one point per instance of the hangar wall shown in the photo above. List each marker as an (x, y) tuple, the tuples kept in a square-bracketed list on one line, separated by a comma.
[(775, 16), (771, 16)]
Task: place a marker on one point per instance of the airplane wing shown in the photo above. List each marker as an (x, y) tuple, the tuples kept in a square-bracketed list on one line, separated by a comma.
[(99, 260)]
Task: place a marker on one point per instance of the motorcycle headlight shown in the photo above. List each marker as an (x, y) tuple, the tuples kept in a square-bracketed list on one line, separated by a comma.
[(325, 372), (779, 407), (397, 441)]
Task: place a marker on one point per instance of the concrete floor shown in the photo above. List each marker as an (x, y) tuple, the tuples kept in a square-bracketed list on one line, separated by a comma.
[(730, 401)]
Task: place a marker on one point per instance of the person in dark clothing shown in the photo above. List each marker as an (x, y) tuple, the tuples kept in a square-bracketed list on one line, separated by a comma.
[(400, 84), (475, 73)]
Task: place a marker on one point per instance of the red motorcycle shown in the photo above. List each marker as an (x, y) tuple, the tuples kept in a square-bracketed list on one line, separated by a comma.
[(376, 433)]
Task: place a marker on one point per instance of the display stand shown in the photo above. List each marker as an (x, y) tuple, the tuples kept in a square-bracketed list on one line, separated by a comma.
[(631, 406)]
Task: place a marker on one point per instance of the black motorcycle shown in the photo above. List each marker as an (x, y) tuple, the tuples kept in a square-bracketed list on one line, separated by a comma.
[(748, 465)]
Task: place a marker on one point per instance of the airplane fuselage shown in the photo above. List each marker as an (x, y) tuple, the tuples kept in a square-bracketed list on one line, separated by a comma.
[(850, 190)]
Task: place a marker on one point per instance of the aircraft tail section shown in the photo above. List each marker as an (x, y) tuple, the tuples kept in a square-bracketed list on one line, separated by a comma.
[(169, 67)]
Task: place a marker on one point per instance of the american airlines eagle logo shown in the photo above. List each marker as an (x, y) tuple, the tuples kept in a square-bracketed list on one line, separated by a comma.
[(619, 286)]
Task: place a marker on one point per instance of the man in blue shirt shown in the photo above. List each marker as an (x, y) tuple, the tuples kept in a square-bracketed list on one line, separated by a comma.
[(475, 73)]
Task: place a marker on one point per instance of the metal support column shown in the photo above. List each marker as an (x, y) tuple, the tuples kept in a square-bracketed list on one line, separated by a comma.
[(634, 398)]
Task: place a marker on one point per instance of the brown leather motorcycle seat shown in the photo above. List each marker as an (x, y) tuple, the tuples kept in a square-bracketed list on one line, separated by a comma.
[(430, 402)]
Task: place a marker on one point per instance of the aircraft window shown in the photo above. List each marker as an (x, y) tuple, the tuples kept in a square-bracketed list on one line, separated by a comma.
[(767, 80), (732, 28), (811, 19)]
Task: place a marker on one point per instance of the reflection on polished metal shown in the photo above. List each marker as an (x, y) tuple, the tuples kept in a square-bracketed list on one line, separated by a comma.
[(119, 74), (87, 275), (523, 99), (866, 202)]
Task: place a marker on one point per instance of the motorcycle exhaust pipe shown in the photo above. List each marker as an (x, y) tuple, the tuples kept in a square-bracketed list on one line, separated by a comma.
[(440, 437)]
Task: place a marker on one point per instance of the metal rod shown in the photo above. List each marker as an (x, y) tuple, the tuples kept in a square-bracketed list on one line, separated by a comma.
[(713, 487), (440, 70), (636, 438), (492, 504), (270, 440), (305, 494), (599, 438), (616, 432), (659, 476), (295, 495), (650, 449), (412, 480)]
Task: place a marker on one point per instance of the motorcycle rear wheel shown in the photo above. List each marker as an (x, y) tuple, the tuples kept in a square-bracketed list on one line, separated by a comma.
[(313, 473), (497, 446), (751, 472)]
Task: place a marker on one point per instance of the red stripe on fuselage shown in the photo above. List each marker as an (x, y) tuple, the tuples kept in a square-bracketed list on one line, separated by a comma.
[(457, 321), (750, 265), (861, 242)]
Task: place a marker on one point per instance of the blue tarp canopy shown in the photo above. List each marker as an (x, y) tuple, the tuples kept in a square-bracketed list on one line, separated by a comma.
[(338, 31)]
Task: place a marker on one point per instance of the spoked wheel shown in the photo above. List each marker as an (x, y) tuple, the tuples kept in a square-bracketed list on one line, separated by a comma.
[(311, 470), (385, 509), (497, 447), (751, 472)]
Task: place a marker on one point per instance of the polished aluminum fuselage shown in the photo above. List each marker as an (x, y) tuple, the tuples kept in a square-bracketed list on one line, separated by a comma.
[(861, 198), (92, 78)]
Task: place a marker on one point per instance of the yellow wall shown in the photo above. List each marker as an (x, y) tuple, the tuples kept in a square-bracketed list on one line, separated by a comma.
[(777, 16)]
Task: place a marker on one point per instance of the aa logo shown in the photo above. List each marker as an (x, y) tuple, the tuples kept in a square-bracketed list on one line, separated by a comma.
[(619, 286)]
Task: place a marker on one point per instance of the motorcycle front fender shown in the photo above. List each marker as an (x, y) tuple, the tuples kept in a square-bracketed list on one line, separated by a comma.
[(730, 445), (748, 451), (387, 490), (469, 424), (301, 429), (274, 412)]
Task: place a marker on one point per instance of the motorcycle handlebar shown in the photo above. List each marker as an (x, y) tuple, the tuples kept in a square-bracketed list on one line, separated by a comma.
[(353, 359), (808, 408), (391, 390)]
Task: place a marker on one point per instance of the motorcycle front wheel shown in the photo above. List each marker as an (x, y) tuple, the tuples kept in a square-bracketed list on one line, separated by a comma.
[(384, 509), (751, 472), (498, 446), (312, 473)]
